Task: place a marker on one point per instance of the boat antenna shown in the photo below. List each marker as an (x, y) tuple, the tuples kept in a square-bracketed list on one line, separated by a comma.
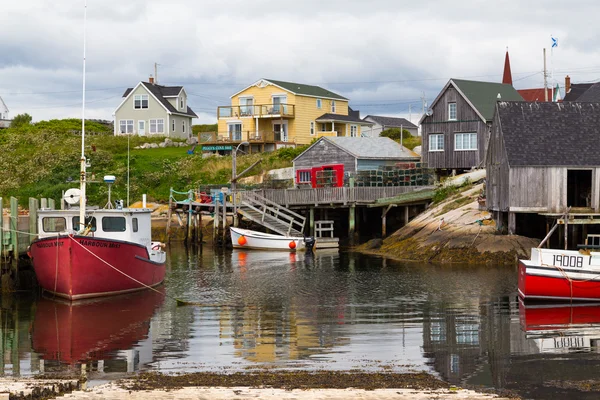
[(128, 135), (82, 201)]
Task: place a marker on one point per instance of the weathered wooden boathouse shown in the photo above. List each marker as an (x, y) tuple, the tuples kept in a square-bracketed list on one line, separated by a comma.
[(544, 158)]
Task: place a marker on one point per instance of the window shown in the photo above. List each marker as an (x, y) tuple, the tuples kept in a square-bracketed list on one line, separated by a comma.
[(323, 127), (140, 101), (279, 105), (353, 131), (181, 103), (89, 222), (246, 106), (451, 111), (157, 125), (332, 106), (319, 103), (465, 141), (54, 224), (126, 126), (113, 224), (436, 142), (134, 224), (173, 125), (312, 127), (304, 176), (235, 131), (183, 126)]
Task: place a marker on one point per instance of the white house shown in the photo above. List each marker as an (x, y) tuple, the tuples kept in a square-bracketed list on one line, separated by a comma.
[(152, 109)]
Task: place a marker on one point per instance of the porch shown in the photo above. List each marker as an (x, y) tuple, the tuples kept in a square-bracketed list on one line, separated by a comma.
[(273, 110), (259, 141)]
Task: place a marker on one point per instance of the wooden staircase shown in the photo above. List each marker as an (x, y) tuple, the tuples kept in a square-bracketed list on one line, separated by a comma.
[(271, 215)]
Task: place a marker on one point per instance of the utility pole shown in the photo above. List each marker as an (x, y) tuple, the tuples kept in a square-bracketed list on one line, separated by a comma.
[(545, 78), (156, 73), (410, 112), (401, 135), (423, 102)]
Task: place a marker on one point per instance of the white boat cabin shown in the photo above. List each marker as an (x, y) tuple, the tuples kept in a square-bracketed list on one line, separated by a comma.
[(129, 225)]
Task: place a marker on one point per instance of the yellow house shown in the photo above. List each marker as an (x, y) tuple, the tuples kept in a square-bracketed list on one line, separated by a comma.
[(270, 114)]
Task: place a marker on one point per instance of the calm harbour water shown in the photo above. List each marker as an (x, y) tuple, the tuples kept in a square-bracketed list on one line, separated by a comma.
[(331, 311)]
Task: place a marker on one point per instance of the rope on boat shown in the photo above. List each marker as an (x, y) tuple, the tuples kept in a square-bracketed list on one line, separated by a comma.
[(179, 302), (566, 276)]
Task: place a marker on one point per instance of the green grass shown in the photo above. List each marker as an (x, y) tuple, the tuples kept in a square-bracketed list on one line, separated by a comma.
[(37, 161)]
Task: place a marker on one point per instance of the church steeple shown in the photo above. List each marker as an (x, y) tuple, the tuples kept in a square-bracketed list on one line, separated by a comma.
[(507, 76)]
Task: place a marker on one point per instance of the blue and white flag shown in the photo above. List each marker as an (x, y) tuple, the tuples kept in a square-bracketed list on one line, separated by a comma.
[(554, 42)]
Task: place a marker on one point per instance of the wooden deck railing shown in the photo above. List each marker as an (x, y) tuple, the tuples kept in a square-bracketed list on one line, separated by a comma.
[(245, 136), (283, 110), (336, 195)]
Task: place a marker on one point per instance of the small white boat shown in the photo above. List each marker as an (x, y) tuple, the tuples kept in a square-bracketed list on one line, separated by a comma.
[(249, 239)]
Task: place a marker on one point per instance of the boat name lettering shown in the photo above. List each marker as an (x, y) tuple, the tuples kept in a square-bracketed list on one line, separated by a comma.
[(49, 244), (91, 243), (568, 261)]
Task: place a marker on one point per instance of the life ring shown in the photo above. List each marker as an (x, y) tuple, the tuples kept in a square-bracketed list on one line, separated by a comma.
[(156, 247)]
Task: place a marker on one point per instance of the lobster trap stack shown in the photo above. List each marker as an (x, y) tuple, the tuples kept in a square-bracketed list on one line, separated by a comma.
[(401, 174)]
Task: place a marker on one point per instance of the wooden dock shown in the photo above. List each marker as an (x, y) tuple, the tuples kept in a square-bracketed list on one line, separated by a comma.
[(287, 211)]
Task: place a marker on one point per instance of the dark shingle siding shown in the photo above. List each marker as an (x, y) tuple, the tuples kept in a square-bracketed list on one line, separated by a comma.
[(592, 95), (577, 89), (550, 134)]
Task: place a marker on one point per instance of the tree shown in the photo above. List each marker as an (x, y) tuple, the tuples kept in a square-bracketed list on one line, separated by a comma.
[(21, 120), (394, 134)]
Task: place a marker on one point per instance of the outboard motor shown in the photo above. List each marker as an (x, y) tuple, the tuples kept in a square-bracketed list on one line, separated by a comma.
[(309, 242)]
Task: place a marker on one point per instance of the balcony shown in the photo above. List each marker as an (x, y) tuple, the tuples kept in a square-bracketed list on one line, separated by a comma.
[(226, 138), (282, 110)]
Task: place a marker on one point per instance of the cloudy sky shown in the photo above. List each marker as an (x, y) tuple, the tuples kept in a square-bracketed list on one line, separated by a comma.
[(384, 55)]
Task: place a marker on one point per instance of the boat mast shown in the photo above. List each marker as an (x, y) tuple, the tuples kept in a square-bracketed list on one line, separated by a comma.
[(82, 199)]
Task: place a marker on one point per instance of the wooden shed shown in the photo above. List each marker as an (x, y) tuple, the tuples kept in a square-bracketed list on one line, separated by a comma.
[(350, 155), (543, 158)]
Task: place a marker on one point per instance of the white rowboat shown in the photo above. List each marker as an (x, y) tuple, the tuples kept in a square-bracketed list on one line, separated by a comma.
[(249, 239)]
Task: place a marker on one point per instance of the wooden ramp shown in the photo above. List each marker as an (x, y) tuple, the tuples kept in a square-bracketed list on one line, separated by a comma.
[(271, 215)]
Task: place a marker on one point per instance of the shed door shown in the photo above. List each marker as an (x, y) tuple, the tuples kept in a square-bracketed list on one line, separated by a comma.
[(579, 188)]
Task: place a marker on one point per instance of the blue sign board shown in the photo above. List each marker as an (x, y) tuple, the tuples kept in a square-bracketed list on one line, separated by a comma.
[(220, 147)]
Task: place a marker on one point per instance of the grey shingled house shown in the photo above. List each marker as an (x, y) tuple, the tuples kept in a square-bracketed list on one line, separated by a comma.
[(456, 128), (543, 158)]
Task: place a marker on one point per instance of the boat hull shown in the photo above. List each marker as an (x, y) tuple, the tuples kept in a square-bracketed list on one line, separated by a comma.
[(264, 241), (78, 267), (560, 275)]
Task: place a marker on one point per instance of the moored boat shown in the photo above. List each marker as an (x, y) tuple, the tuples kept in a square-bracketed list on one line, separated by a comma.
[(113, 255), (552, 274), (250, 239)]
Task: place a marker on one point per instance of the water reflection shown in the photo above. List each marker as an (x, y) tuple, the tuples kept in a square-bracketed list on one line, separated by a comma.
[(332, 310)]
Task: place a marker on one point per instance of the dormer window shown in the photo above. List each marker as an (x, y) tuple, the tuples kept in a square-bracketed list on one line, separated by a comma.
[(140, 101), (333, 106), (451, 111), (182, 104)]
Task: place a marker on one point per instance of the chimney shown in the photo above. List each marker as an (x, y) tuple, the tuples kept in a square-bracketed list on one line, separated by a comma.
[(151, 79), (567, 84)]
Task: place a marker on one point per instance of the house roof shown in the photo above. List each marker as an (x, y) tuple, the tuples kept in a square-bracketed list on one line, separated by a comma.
[(391, 122), (160, 92), (536, 94), (550, 134), (484, 95), (342, 118), (306, 90), (591, 95), (369, 148), (577, 89)]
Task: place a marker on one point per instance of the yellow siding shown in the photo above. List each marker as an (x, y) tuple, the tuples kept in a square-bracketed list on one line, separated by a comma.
[(298, 127)]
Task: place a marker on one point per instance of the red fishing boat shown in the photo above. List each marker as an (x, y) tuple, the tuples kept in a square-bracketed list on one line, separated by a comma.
[(114, 254), (93, 329), (562, 274), (82, 253)]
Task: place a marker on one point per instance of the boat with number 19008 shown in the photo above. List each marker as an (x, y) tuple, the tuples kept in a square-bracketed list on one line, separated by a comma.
[(552, 274)]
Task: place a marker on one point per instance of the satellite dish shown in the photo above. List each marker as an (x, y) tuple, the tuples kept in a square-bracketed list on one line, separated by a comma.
[(72, 196)]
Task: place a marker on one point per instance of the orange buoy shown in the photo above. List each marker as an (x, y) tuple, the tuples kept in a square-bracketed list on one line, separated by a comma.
[(292, 245), (242, 240)]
